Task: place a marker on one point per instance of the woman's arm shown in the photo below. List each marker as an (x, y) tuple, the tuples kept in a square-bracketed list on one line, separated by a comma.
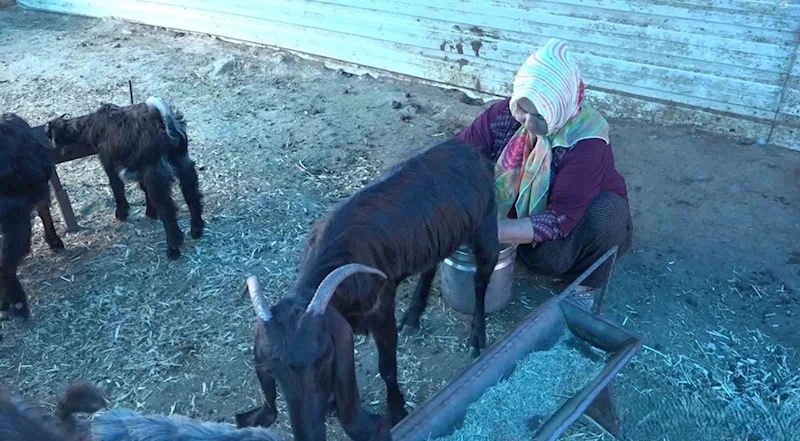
[(578, 180)]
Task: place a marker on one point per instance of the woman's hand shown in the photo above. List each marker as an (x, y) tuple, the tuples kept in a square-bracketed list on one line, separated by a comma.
[(519, 231)]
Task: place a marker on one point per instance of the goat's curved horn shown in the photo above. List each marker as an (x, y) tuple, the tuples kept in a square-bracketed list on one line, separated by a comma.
[(329, 284), (259, 302)]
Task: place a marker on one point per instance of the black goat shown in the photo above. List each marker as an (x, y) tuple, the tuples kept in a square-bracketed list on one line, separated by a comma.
[(403, 224), (147, 143), (25, 170), (20, 421)]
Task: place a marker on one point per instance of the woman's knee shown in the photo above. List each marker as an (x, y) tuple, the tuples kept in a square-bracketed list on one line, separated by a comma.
[(548, 259)]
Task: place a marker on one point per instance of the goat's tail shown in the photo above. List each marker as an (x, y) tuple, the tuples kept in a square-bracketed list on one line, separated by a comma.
[(174, 123)]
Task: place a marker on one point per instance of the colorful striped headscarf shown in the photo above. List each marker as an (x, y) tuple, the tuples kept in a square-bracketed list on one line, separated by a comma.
[(551, 80)]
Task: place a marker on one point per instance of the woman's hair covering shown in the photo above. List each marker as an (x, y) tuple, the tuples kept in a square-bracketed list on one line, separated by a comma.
[(551, 80)]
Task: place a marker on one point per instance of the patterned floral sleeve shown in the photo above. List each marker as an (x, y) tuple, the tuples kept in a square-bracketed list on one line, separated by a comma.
[(546, 226)]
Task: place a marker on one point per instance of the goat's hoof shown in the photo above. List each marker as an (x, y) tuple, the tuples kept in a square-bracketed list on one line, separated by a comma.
[(197, 231), (55, 244), (409, 329), (398, 416), (475, 353), (121, 215), (173, 253), (20, 311)]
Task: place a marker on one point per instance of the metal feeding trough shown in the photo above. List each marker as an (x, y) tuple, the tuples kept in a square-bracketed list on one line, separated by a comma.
[(443, 413)]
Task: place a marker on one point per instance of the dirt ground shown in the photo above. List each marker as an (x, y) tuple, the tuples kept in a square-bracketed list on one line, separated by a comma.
[(711, 284)]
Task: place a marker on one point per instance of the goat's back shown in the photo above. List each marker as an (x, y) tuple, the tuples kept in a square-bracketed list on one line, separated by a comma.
[(124, 425), (25, 165), (413, 217), (134, 135)]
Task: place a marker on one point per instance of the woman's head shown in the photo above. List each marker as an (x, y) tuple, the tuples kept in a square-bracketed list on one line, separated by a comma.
[(548, 89)]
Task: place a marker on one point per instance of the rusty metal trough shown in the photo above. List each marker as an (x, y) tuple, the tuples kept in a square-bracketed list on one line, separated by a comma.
[(71, 152), (444, 412)]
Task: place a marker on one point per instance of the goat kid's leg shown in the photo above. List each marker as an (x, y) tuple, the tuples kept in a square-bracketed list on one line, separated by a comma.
[(419, 301), (386, 340), (118, 188), (50, 235), (16, 244), (190, 187), (158, 182), (150, 209), (486, 249)]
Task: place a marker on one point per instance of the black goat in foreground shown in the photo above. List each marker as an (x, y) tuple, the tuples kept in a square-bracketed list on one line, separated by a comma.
[(20, 421), (25, 170), (147, 143), (403, 224)]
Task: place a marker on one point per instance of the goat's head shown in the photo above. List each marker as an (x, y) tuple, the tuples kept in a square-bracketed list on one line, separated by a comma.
[(59, 132), (308, 350)]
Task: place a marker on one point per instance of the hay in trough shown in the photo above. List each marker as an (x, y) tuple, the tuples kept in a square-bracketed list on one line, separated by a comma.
[(516, 407)]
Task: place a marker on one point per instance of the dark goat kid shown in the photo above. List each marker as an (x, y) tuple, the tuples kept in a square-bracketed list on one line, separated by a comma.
[(403, 224), (146, 143), (25, 170), (20, 421)]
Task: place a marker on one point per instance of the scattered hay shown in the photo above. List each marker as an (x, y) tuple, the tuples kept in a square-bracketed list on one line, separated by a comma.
[(730, 391), (516, 407)]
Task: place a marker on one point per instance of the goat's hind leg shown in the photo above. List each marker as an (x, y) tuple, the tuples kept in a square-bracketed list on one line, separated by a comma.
[(486, 249), (418, 303), (16, 244), (190, 187), (50, 235), (150, 209), (158, 183)]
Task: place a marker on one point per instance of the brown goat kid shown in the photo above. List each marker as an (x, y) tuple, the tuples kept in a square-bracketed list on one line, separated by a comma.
[(403, 224), (146, 143)]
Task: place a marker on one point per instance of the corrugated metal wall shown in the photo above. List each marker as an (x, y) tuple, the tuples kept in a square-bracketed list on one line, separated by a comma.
[(725, 66)]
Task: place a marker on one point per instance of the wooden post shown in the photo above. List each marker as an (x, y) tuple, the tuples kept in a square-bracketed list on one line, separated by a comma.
[(63, 203)]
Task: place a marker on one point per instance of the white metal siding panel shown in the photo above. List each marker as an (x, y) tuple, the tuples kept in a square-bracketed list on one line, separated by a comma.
[(787, 123), (732, 57)]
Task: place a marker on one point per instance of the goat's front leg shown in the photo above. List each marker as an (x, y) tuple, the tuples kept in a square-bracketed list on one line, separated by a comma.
[(386, 340), (486, 249), (150, 209), (118, 188), (419, 301), (357, 423), (265, 415), (50, 235), (158, 182)]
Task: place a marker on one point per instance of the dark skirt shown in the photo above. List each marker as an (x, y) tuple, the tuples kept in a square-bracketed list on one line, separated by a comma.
[(607, 222)]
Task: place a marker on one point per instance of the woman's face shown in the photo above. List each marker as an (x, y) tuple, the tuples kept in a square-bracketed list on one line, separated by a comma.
[(527, 115)]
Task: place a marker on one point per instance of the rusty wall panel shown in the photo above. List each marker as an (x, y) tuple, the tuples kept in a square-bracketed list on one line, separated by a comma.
[(729, 59)]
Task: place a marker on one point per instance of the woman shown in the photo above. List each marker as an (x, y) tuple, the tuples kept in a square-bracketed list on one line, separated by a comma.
[(558, 192)]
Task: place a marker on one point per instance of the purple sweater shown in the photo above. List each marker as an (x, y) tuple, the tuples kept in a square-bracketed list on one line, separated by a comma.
[(577, 175)]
